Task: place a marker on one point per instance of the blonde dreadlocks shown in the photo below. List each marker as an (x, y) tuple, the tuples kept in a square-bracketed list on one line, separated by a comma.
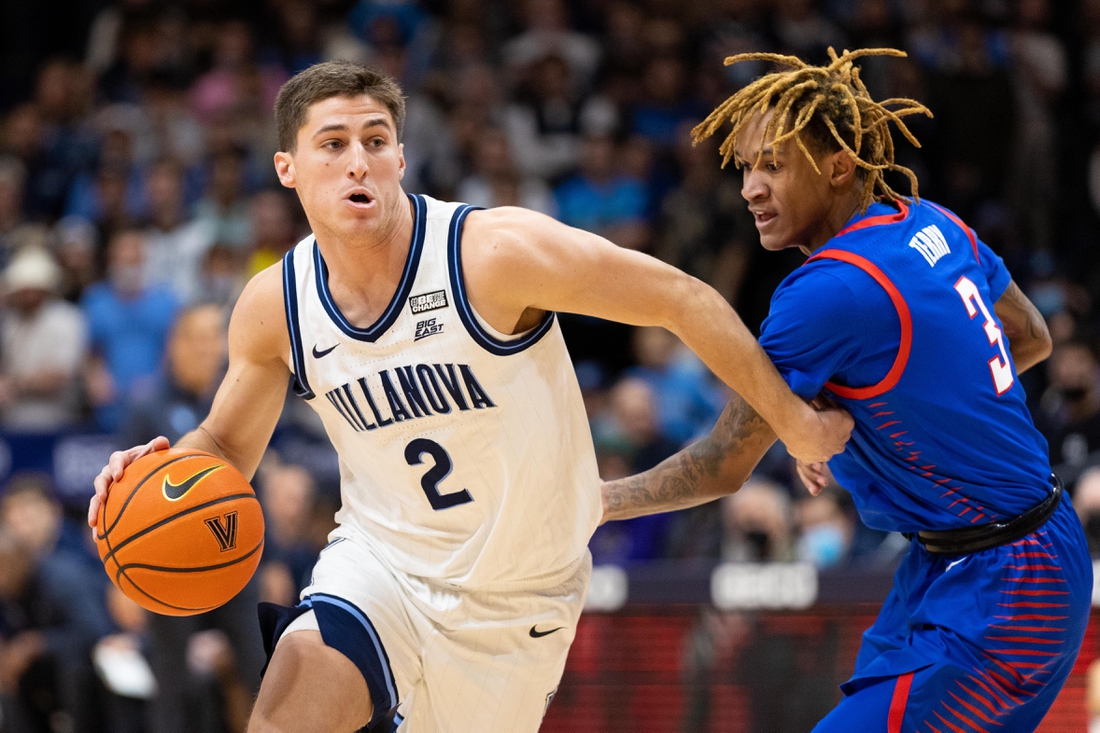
[(830, 105)]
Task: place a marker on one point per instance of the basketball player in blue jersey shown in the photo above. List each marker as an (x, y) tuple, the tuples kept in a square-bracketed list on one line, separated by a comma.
[(423, 334), (905, 318)]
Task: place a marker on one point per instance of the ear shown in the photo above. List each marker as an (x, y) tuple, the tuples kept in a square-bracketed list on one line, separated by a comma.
[(842, 168), (284, 168), (401, 158)]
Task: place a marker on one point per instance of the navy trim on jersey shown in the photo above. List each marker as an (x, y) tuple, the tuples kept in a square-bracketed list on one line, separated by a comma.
[(412, 262), (345, 628), (483, 338), (290, 301)]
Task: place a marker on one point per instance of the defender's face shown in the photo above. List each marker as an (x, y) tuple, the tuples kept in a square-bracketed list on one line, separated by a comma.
[(347, 167), (789, 200)]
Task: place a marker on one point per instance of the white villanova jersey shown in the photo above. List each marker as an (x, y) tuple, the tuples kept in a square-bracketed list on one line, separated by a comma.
[(465, 454)]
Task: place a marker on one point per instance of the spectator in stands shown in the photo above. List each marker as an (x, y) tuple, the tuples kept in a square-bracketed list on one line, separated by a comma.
[(181, 397), (272, 228), (113, 191), (687, 397), (47, 178), (704, 228), (287, 494), (223, 211), (108, 193), (129, 323), (43, 345), (547, 119), (634, 410), (177, 134), (756, 524), (236, 77), (476, 102), (1072, 406), (665, 107), (1086, 500), (207, 667), (497, 182), (51, 615), (74, 245), (637, 439), (1039, 77), (12, 176), (971, 93), (174, 244), (805, 31), (300, 35), (222, 278), (825, 529), (121, 660), (546, 32), (600, 199)]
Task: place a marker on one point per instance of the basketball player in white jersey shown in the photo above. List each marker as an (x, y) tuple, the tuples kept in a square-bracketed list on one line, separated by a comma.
[(423, 333)]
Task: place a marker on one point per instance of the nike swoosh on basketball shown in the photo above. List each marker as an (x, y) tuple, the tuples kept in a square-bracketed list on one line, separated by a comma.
[(176, 491), (535, 634), (318, 354)]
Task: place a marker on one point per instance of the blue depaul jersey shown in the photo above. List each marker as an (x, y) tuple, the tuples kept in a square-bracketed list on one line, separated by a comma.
[(894, 319)]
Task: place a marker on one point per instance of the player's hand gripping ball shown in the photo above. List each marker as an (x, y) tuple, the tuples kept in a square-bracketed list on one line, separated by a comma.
[(181, 532)]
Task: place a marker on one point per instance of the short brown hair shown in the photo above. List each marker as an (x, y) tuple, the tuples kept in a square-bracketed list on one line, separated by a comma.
[(332, 79)]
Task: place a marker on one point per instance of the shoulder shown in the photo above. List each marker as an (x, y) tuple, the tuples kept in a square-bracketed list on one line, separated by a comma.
[(823, 278), (821, 293), (504, 230), (62, 311), (258, 324)]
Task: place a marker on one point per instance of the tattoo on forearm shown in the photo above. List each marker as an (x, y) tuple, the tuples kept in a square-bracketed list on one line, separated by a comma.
[(1036, 326), (1025, 327), (681, 480)]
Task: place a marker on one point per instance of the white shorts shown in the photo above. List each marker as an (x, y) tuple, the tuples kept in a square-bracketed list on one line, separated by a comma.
[(448, 661)]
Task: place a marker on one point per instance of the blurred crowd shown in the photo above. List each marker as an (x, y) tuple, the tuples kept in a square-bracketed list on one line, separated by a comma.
[(137, 196)]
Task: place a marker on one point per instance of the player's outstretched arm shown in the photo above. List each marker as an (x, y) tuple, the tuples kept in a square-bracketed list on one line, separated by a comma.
[(707, 469), (521, 260), (1028, 337), (251, 395)]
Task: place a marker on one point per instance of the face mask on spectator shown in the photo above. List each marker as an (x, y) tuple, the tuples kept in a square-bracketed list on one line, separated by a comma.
[(823, 545), (760, 544), (1074, 394)]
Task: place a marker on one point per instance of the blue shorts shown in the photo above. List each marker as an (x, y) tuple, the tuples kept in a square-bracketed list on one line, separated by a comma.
[(975, 642)]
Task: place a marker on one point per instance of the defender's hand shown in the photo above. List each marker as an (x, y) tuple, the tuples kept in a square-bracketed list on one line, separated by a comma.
[(113, 472), (822, 435), (815, 476)]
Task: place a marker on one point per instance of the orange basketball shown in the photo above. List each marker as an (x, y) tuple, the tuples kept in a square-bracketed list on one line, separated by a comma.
[(181, 532)]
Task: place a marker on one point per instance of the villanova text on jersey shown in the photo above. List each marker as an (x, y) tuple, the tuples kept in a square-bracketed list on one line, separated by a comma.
[(427, 389), (465, 453)]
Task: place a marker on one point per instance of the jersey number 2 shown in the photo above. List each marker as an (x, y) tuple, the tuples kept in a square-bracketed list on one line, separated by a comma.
[(414, 455), (999, 366)]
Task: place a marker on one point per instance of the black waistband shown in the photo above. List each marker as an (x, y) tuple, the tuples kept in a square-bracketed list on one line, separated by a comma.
[(994, 534)]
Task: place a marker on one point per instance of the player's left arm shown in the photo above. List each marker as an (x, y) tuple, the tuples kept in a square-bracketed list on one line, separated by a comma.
[(1028, 337), (517, 262), (705, 470)]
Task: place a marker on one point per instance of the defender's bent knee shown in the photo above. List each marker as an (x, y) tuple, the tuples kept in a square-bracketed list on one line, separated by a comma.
[(308, 687)]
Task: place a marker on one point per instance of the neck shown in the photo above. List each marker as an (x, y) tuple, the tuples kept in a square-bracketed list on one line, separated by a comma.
[(364, 271), (840, 213)]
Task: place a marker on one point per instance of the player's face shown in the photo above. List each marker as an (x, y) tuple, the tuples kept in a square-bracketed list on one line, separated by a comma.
[(347, 168), (789, 200)]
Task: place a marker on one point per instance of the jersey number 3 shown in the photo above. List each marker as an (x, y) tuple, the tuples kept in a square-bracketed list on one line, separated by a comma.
[(999, 366), (414, 455)]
